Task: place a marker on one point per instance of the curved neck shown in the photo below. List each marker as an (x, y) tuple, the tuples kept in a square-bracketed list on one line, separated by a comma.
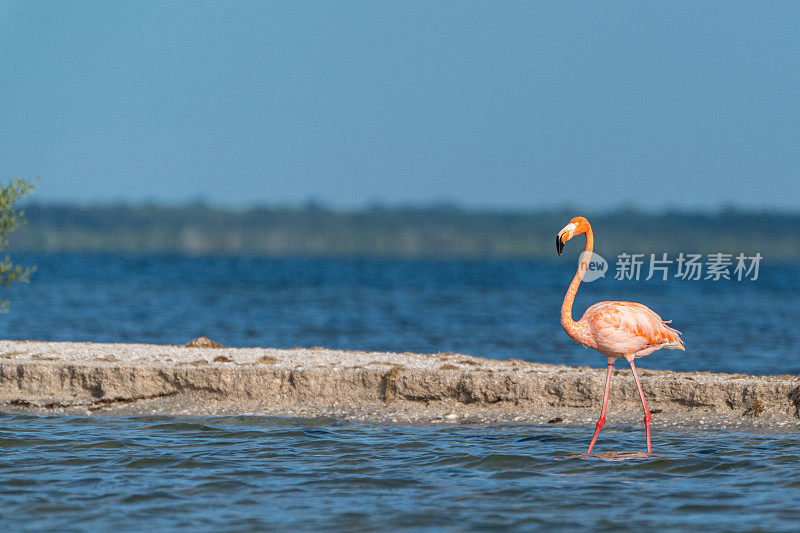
[(566, 308)]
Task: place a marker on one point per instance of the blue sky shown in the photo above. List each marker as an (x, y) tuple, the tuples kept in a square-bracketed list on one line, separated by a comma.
[(491, 104)]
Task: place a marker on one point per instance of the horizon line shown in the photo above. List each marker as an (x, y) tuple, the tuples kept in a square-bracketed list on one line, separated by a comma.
[(313, 204)]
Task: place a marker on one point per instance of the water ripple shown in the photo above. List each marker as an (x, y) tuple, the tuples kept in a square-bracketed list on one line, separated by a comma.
[(244, 473)]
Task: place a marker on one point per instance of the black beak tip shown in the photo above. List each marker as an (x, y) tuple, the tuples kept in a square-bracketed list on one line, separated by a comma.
[(559, 245)]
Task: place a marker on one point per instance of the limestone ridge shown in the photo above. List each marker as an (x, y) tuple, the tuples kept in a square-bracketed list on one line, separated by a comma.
[(134, 379)]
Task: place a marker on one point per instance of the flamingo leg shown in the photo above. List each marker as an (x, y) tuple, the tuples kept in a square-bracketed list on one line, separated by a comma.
[(644, 404), (602, 419)]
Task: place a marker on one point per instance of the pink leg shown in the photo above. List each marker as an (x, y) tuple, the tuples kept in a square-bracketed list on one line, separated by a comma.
[(644, 404), (603, 411)]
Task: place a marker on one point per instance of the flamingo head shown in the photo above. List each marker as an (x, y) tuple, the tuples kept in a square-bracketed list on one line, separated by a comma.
[(575, 227)]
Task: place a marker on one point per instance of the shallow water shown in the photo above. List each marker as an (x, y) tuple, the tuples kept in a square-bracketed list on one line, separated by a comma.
[(259, 473), (245, 473)]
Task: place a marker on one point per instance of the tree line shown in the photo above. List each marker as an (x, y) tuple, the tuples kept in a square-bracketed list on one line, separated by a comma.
[(432, 231)]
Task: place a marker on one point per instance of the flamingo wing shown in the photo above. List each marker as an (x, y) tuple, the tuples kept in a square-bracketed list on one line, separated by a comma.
[(624, 328)]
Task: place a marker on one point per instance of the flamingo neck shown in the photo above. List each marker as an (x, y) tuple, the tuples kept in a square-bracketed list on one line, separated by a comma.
[(569, 325)]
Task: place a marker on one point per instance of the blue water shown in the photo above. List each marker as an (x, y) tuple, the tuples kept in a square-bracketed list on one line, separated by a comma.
[(501, 309), (261, 473), (258, 473)]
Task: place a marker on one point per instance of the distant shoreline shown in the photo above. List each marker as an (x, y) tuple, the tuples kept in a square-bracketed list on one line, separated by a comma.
[(394, 232), (447, 388)]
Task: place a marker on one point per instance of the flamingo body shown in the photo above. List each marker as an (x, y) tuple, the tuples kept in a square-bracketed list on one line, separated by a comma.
[(626, 329), (617, 330)]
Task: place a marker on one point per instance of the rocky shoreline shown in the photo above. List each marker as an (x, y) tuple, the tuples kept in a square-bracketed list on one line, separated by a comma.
[(202, 378)]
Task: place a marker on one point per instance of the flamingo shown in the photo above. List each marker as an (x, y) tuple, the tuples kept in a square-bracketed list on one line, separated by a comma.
[(615, 329)]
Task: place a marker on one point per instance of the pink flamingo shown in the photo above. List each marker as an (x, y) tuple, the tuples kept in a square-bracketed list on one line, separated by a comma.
[(615, 329)]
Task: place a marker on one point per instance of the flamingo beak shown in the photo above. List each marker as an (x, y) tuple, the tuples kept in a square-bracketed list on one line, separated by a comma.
[(563, 236)]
